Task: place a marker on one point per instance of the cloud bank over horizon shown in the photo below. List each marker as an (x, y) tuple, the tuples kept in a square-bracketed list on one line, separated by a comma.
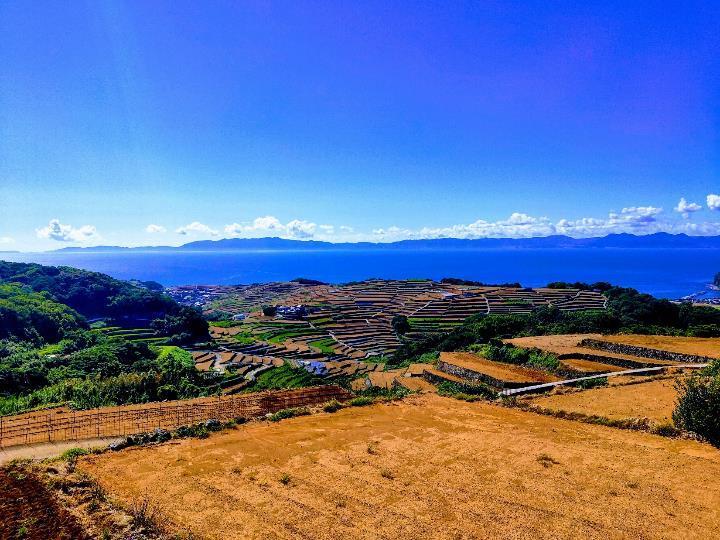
[(638, 220)]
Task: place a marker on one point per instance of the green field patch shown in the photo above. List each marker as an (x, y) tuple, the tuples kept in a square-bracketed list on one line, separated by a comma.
[(282, 336), (325, 345), (284, 376)]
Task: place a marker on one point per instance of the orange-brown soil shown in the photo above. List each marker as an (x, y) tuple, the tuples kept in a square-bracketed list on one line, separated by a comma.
[(28, 510), (427, 467), (588, 365), (654, 400), (496, 370), (568, 344), (685, 345)]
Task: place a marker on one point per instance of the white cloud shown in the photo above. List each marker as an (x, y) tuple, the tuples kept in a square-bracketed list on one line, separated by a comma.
[(67, 233), (154, 229), (635, 216), (685, 208), (713, 202), (634, 219), (299, 229), (196, 228), (346, 229), (266, 223), (6, 240), (518, 225)]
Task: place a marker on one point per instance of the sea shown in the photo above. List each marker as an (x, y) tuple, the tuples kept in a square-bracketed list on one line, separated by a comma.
[(664, 273)]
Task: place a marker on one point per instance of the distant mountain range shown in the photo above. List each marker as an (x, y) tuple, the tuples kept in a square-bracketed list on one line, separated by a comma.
[(654, 241)]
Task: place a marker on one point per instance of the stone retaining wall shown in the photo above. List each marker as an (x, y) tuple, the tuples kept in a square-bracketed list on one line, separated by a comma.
[(645, 352), (620, 362), (471, 375)]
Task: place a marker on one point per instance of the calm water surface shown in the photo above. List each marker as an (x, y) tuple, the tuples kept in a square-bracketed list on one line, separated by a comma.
[(668, 273)]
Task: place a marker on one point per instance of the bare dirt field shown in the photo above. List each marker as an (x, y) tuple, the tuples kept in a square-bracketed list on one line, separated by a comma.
[(427, 467), (569, 345), (654, 400), (685, 345), (589, 365), (496, 370), (29, 512)]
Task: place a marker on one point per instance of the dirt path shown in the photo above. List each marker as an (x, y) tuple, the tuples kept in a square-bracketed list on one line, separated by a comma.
[(428, 467), (47, 450)]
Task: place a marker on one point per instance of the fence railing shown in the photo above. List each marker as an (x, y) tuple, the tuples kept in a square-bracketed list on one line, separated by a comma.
[(66, 425)]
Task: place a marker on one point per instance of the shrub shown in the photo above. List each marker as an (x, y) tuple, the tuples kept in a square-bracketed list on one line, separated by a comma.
[(543, 360), (198, 431), (465, 392), (288, 413), (332, 406), (361, 401), (698, 406), (591, 383), (666, 430), (73, 453)]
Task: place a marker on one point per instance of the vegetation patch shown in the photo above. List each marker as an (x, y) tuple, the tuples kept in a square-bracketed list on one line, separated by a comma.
[(698, 406), (284, 377), (466, 392), (361, 401), (282, 414)]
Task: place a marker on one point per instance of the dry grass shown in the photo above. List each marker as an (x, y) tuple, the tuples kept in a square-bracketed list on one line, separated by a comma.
[(458, 470), (654, 400), (496, 370), (685, 345)]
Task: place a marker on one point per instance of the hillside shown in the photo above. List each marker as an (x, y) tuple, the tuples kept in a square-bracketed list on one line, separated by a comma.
[(656, 241), (50, 354)]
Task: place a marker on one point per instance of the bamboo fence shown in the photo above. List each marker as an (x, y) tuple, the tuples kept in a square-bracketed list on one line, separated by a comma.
[(61, 424)]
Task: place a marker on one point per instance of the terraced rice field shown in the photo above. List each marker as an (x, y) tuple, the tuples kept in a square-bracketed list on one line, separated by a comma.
[(335, 324), (654, 400), (427, 467)]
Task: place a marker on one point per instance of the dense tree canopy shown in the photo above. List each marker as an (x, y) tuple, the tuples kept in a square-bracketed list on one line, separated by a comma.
[(28, 315), (96, 295)]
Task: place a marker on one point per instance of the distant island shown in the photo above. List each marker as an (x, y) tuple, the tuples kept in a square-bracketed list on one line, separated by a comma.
[(624, 240)]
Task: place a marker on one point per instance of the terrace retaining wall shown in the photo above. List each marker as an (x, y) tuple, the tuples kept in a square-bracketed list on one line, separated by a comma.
[(620, 362), (471, 375), (645, 352)]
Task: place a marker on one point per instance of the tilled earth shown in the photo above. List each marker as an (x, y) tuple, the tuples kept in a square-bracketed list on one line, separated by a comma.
[(28, 511), (427, 467)]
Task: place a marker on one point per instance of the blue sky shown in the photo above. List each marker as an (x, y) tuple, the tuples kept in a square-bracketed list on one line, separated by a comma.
[(135, 123)]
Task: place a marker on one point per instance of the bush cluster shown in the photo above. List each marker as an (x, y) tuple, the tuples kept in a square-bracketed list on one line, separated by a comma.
[(698, 406)]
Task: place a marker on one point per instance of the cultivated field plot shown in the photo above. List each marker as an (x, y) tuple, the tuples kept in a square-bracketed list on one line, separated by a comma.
[(568, 347), (318, 325), (469, 364), (683, 345), (427, 467), (654, 400)]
